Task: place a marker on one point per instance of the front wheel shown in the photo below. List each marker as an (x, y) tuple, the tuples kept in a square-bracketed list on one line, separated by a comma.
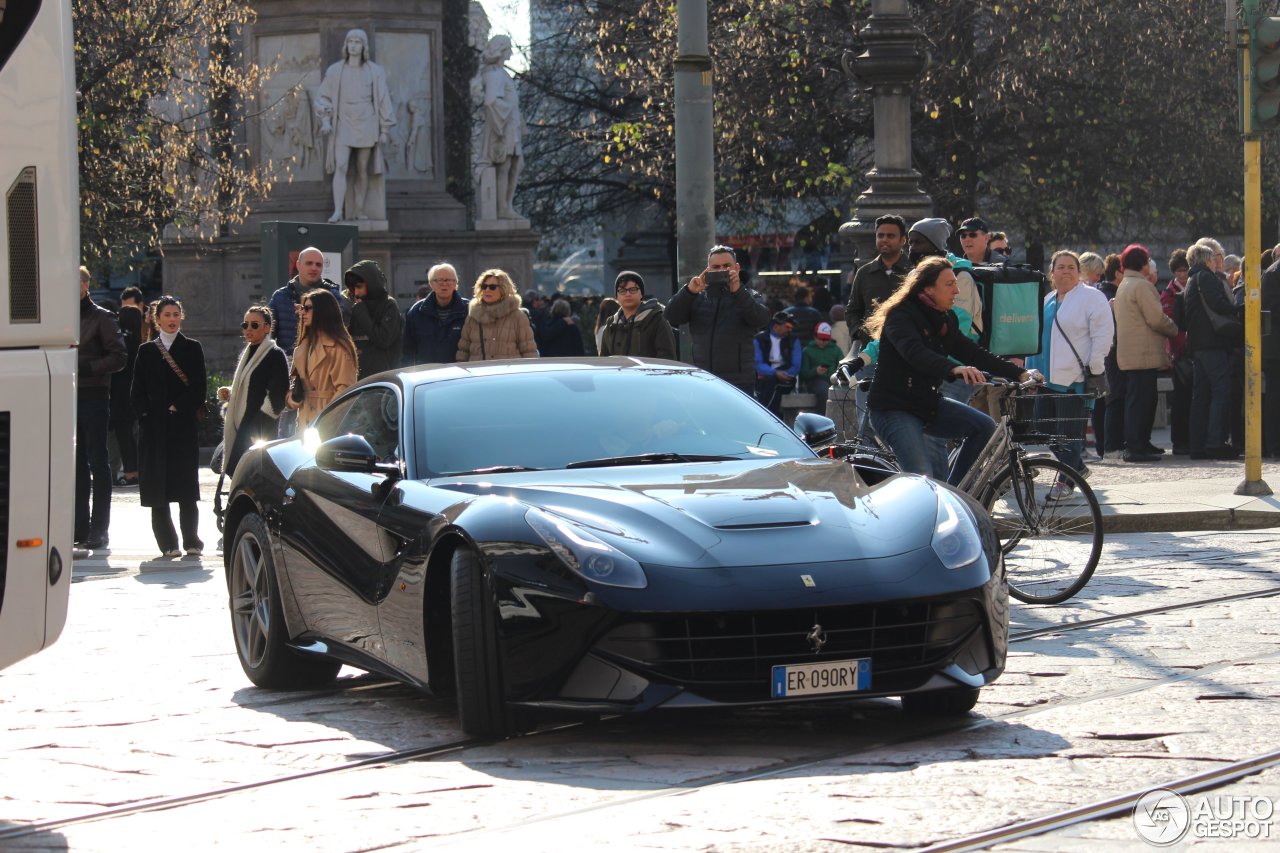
[(257, 618), (477, 660), (1050, 529)]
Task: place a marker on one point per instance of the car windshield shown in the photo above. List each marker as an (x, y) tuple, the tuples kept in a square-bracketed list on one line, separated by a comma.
[(590, 418)]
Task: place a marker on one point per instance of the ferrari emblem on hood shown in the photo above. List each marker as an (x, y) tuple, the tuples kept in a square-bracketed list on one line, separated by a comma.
[(817, 638)]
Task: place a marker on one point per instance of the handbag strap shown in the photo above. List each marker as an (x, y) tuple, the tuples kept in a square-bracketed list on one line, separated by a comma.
[(1083, 370), (164, 353)]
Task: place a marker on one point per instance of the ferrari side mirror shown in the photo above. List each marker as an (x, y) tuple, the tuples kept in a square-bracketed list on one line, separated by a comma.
[(816, 431), (350, 453)]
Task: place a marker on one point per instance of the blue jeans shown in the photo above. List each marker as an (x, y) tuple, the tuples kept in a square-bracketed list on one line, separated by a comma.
[(93, 472), (1069, 451), (908, 435), (1210, 397), (961, 392)]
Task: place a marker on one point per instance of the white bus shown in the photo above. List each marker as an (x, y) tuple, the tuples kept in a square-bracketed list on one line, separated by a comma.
[(39, 321)]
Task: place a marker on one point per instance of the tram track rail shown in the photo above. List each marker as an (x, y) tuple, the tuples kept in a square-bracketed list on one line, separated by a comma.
[(452, 748), (1108, 808)]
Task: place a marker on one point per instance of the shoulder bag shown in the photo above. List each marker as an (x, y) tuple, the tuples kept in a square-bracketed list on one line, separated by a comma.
[(1225, 326), (1095, 384), (202, 411)]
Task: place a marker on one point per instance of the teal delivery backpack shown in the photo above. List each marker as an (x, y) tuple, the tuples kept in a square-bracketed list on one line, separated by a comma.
[(1012, 307)]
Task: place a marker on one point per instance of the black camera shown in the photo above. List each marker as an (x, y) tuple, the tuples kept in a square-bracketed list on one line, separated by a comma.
[(717, 281)]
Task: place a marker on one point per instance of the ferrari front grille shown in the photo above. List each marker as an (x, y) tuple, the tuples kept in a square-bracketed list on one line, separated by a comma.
[(717, 652)]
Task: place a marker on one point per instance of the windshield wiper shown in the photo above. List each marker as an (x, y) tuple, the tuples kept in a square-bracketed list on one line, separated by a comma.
[(495, 469), (647, 459)]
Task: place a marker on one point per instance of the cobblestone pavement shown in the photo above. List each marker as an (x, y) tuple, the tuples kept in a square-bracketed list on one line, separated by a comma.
[(143, 700)]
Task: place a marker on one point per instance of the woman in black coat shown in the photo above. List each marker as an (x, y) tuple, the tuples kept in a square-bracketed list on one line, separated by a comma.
[(921, 346), (168, 389), (256, 396)]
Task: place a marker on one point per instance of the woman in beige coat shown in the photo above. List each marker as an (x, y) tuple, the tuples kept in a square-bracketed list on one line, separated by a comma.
[(495, 326), (1141, 330), (324, 360)]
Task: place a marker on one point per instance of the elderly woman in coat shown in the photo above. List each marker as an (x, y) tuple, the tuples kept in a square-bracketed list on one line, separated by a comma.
[(324, 360), (257, 393), (168, 396), (1141, 331), (496, 327)]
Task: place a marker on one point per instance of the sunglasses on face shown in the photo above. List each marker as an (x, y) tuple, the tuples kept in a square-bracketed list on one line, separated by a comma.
[(490, 286), (632, 289), (964, 234), (254, 325), (306, 309)]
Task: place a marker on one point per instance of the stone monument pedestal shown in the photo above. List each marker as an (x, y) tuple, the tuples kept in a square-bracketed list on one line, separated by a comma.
[(418, 223)]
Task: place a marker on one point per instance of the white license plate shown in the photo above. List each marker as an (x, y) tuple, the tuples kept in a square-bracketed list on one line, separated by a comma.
[(813, 679)]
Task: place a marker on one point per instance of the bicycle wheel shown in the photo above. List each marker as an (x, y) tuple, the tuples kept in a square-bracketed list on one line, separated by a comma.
[(1051, 540)]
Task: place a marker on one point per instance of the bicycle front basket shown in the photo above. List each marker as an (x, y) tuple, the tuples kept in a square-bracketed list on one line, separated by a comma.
[(1040, 418)]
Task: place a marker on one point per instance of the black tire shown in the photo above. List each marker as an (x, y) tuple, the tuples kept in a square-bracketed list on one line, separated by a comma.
[(257, 619), (1051, 547), (477, 659), (951, 702)]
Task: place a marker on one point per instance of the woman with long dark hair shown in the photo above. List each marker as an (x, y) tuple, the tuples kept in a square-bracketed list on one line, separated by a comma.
[(168, 396), (922, 346), (258, 389), (324, 360)]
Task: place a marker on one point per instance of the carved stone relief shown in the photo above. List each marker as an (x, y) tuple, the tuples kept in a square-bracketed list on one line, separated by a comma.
[(286, 103)]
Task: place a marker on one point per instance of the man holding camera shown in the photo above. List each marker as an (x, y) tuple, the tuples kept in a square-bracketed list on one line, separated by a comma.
[(723, 316)]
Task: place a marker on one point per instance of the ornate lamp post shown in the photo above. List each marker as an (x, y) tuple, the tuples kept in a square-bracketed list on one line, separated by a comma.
[(894, 57)]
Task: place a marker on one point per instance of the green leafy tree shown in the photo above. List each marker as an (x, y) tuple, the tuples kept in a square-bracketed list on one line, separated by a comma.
[(1068, 121), (162, 89)]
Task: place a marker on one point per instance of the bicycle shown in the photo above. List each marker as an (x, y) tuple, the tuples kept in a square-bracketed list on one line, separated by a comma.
[(1046, 516)]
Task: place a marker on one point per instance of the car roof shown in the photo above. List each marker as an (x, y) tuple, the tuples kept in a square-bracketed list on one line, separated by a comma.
[(425, 374)]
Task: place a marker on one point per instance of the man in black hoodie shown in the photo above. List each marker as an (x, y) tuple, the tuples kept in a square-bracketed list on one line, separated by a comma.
[(101, 353), (375, 319)]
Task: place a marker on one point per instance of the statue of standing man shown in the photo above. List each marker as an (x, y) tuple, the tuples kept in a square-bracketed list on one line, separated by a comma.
[(503, 126), (356, 115)]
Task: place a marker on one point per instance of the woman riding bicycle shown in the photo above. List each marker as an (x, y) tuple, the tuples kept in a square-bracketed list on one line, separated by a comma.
[(921, 346)]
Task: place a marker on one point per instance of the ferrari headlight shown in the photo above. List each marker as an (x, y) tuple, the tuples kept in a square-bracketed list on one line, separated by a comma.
[(588, 556), (955, 534)]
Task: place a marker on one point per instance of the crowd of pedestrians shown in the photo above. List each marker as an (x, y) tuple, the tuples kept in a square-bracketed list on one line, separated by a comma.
[(913, 314)]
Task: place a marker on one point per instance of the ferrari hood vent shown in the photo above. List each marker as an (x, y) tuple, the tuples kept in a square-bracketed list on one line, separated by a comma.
[(763, 525)]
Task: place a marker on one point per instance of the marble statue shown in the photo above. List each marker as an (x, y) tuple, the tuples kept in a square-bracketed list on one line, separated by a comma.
[(503, 124), (417, 147), (356, 117)]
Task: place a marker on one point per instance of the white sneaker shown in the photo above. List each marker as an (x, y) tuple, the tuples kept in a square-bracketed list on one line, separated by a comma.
[(1059, 491), (170, 554), (1113, 455), (194, 552)]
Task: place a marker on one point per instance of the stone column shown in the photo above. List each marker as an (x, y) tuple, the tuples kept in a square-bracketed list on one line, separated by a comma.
[(894, 57)]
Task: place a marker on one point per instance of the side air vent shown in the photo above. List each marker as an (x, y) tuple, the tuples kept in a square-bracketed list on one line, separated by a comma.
[(24, 250)]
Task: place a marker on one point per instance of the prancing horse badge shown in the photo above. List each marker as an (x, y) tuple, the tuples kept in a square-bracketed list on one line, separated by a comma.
[(808, 580)]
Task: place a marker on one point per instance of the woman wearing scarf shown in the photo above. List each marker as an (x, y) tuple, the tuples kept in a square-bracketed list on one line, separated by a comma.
[(256, 396), (921, 346), (168, 396)]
